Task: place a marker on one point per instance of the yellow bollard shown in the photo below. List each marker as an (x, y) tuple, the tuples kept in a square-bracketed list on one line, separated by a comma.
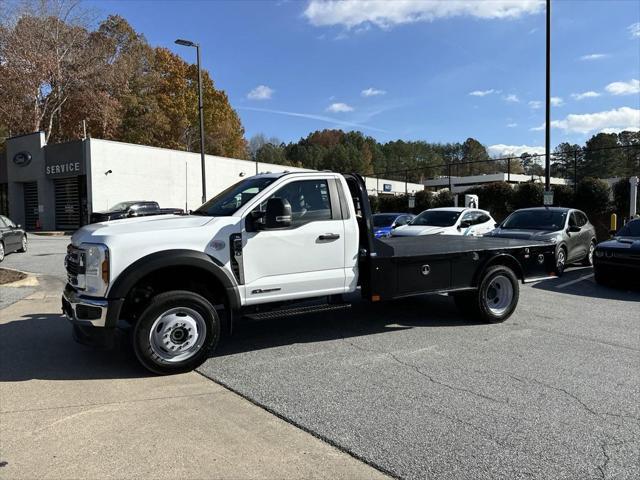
[(614, 224)]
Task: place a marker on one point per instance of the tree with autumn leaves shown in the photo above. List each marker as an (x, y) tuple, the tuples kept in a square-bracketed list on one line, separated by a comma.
[(56, 72)]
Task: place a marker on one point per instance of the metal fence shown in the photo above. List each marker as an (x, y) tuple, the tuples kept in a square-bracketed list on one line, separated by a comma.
[(569, 166)]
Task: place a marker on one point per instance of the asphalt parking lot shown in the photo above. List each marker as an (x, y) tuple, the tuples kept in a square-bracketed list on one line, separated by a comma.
[(418, 391)]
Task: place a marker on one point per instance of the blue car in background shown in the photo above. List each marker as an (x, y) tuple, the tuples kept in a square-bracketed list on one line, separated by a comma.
[(384, 223)]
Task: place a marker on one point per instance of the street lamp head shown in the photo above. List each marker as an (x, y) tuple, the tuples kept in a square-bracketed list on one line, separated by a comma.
[(185, 43)]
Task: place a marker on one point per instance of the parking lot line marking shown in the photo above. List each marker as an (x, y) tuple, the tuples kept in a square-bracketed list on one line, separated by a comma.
[(577, 280)]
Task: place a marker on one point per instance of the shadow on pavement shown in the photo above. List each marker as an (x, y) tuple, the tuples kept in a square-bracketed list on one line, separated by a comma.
[(40, 346), (360, 320), (585, 286)]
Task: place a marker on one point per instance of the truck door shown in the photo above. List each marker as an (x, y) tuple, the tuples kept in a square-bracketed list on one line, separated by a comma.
[(303, 260)]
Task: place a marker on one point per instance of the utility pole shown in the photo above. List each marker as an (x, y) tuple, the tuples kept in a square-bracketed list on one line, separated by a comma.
[(189, 43), (547, 130)]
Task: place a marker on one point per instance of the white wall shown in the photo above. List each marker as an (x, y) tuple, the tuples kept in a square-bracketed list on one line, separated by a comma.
[(172, 177), (376, 185)]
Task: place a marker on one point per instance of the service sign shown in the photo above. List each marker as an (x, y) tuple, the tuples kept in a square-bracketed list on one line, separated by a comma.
[(386, 187), (64, 167), (548, 198)]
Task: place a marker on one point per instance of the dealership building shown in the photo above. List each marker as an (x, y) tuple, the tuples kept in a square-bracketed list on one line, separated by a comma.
[(57, 186)]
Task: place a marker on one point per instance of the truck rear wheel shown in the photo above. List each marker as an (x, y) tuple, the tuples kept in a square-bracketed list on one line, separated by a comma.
[(176, 332), (498, 294)]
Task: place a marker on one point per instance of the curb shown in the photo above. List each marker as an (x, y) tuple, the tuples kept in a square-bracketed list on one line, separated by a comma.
[(50, 233)]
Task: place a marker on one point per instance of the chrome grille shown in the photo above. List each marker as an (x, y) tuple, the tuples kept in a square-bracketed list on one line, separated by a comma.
[(74, 263)]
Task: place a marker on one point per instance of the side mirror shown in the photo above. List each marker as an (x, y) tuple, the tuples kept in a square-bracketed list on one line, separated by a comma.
[(19, 226), (278, 213), (496, 225), (465, 224), (574, 229)]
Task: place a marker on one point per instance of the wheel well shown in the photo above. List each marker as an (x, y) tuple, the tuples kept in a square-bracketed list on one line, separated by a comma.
[(507, 261), (189, 278)]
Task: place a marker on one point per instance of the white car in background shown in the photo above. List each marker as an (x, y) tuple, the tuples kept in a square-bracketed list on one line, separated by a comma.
[(448, 221)]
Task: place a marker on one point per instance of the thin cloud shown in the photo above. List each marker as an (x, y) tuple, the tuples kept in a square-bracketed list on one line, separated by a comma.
[(261, 92), (339, 107), (535, 104), (310, 116), (634, 30), (593, 56), (511, 98), (385, 14), (483, 93), (557, 101), (512, 125), (624, 88), (372, 92), (583, 95)]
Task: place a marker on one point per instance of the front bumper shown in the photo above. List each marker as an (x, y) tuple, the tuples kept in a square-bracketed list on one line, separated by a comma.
[(94, 319)]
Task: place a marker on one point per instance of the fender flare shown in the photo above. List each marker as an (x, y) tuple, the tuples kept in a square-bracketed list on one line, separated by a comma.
[(174, 258), (500, 259)]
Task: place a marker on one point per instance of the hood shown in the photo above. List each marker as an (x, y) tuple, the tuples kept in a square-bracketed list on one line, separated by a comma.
[(415, 230), (127, 226), (542, 235), (621, 243)]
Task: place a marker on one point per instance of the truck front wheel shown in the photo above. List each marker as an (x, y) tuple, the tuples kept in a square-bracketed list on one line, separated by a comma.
[(176, 332)]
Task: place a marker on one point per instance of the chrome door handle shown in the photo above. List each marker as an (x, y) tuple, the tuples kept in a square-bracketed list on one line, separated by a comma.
[(329, 236)]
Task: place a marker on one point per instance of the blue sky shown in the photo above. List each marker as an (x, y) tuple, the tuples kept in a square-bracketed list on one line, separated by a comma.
[(437, 71)]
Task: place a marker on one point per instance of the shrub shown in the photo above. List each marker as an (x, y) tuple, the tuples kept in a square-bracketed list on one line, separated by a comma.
[(424, 201), (528, 195), (592, 196), (443, 198), (374, 202), (497, 198), (563, 196)]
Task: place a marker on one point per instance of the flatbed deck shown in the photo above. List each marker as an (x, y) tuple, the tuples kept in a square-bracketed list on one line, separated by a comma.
[(446, 245)]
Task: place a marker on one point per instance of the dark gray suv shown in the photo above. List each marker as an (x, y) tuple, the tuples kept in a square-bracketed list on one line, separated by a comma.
[(568, 228)]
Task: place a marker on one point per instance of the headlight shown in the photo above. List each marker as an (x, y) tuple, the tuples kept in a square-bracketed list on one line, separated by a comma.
[(599, 253), (96, 258)]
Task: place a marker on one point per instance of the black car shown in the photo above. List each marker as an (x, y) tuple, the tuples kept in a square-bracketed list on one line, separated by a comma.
[(138, 208), (617, 261), (12, 237), (568, 228)]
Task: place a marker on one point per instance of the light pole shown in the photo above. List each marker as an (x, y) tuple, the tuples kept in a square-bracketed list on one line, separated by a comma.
[(189, 43), (547, 129)]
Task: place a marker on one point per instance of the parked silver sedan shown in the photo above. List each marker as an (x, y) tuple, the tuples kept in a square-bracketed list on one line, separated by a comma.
[(568, 228)]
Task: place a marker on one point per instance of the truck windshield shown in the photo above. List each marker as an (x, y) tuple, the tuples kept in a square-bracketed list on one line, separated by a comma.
[(383, 220), (436, 218), (230, 200), (548, 220), (631, 229)]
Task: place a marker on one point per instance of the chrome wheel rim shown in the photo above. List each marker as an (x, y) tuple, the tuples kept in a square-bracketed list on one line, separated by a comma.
[(591, 250), (561, 258), (24, 243), (178, 334), (1, 251), (499, 295)]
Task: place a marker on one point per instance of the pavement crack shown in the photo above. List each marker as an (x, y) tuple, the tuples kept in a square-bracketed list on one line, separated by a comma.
[(424, 374)]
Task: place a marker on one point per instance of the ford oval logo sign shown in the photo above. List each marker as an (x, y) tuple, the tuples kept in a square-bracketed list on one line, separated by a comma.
[(22, 159)]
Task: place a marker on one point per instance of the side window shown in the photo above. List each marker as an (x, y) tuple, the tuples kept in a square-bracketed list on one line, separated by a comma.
[(573, 222), (3, 223), (482, 218), (309, 200), (582, 219), (403, 220), (7, 222), (468, 217)]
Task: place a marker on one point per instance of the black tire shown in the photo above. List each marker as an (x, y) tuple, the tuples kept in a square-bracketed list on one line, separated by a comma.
[(157, 358), (497, 281), (588, 260), (561, 261), (601, 278), (24, 244)]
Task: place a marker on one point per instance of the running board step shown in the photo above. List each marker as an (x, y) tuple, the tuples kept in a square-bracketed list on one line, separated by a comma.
[(292, 312)]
